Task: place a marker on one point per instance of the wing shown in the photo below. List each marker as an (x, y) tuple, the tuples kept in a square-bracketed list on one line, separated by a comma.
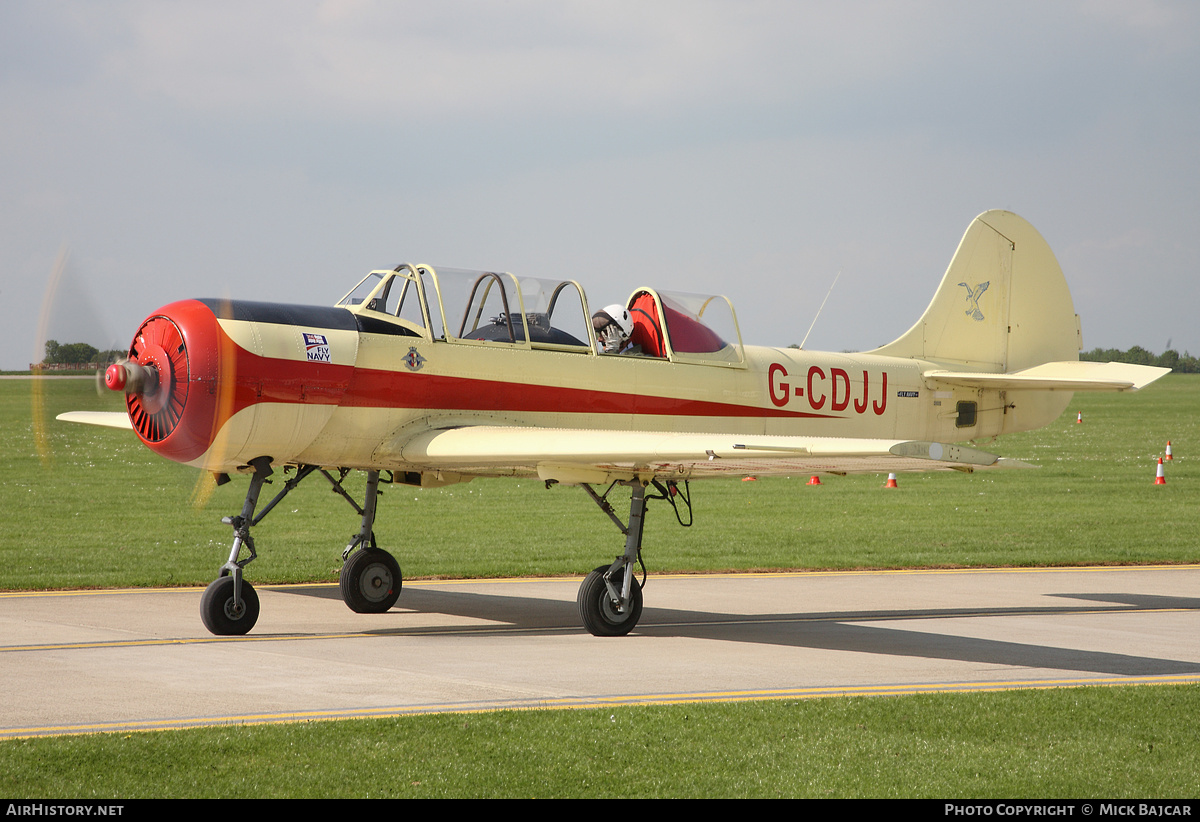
[(580, 456), (108, 419)]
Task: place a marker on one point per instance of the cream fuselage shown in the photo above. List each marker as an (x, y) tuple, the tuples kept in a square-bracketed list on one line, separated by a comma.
[(391, 387)]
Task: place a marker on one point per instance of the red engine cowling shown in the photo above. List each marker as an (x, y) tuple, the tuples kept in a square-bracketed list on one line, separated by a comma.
[(186, 378), (177, 417)]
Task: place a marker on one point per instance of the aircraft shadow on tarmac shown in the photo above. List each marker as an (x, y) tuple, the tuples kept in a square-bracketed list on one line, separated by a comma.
[(829, 630)]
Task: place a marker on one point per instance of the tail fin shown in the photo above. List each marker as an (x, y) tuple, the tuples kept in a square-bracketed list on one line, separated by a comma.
[(1003, 305)]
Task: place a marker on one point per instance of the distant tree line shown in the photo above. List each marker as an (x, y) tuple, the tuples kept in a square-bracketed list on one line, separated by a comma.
[(77, 354), (1183, 363)]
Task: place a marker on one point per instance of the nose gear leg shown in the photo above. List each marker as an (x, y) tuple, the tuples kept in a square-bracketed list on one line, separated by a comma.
[(229, 606)]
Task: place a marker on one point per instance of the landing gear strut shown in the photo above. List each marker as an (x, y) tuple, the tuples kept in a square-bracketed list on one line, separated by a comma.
[(229, 606), (370, 577), (610, 598)]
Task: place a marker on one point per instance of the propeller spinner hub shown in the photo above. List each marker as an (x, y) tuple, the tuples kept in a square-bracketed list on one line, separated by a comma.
[(115, 377), (132, 378)]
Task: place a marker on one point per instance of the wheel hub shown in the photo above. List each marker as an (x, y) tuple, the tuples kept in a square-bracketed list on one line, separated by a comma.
[(611, 610), (375, 582)]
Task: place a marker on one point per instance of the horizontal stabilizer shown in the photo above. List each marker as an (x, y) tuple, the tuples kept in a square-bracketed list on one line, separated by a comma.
[(108, 419), (1069, 375)]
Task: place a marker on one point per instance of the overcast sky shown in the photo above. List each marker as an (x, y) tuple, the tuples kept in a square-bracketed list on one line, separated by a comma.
[(280, 150)]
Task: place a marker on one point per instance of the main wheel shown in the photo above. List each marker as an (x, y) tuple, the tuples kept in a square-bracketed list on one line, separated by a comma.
[(370, 581), (600, 615), (221, 616)]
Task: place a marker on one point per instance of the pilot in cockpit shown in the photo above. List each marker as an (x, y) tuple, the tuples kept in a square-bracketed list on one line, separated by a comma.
[(613, 327)]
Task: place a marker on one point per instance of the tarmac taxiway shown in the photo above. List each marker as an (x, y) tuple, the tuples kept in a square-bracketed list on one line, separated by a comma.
[(119, 660)]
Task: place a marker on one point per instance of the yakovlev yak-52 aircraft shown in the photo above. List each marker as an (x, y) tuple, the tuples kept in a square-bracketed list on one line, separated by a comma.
[(436, 376)]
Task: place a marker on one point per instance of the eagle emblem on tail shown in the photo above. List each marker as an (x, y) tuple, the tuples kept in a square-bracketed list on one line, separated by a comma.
[(973, 295)]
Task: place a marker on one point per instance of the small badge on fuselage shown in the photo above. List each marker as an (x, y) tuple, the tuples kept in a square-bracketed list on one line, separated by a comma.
[(316, 347), (413, 360)]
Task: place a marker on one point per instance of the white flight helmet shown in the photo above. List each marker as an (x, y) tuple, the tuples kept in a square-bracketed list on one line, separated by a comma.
[(620, 315)]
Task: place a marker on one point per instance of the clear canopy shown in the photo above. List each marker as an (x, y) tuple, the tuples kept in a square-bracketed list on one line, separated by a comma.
[(486, 307)]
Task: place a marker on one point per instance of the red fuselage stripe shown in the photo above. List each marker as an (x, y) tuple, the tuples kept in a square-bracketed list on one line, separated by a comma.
[(289, 381)]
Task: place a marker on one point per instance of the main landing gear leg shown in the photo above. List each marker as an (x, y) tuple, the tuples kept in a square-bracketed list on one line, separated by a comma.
[(370, 580), (610, 598), (229, 606)]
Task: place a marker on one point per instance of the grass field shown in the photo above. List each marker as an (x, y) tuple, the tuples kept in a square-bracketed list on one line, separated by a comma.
[(1107, 743), (93, 508)]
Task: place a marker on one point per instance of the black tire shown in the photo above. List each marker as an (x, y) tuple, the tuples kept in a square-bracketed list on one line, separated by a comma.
[(596, 608), (218, 612), (370, 581)]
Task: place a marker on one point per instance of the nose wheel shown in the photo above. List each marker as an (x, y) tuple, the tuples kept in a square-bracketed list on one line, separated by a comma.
[(226, 613), (229, 606)]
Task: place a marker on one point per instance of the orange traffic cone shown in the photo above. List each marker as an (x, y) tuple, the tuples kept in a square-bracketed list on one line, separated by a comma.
[(891, 483), (815, 480), (1169, 450), (1159, 479), (1079, 418)]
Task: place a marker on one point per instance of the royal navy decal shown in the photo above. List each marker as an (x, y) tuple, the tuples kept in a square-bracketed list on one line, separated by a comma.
[(316, 347)]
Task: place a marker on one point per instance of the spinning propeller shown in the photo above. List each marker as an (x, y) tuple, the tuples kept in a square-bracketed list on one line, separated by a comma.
[(154, 377)]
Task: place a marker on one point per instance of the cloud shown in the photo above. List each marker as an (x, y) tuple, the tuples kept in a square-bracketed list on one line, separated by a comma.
[(756, 147)]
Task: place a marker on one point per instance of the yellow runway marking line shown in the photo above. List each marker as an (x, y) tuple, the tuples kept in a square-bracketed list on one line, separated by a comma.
[(209, 640), (586, 703)]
